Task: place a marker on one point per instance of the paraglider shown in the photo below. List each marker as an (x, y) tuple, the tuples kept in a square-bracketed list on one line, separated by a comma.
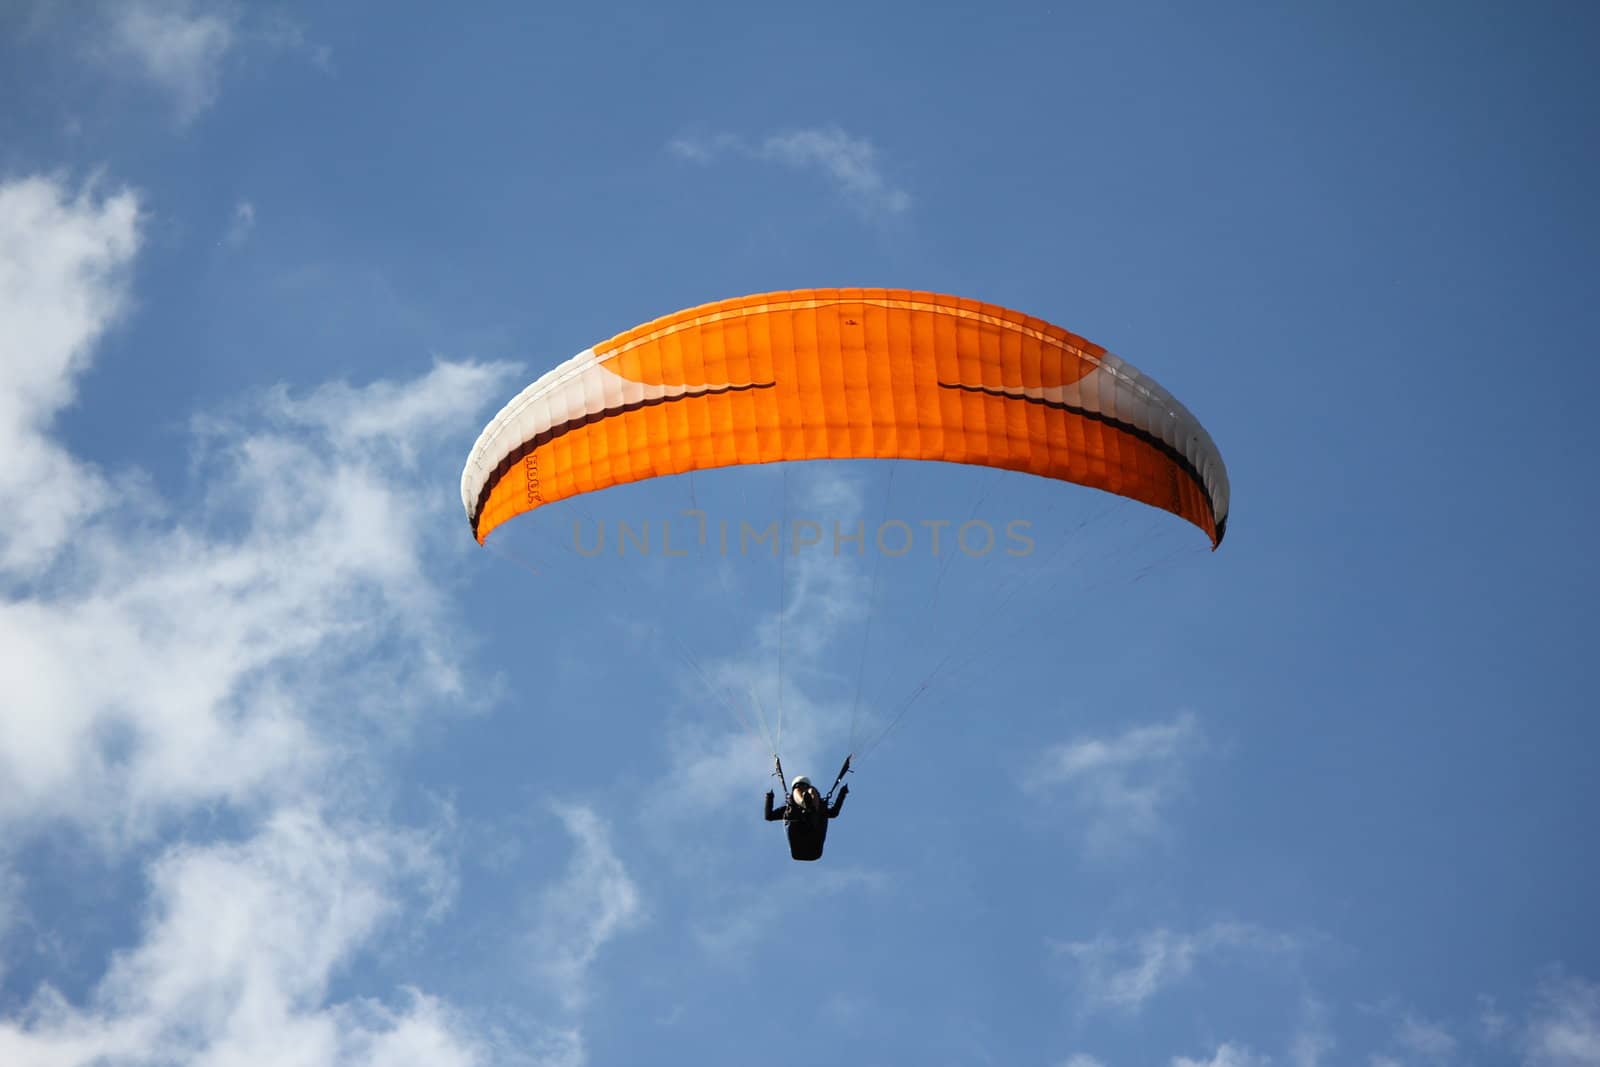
[(805, 817), (843, 374), (806, 812)]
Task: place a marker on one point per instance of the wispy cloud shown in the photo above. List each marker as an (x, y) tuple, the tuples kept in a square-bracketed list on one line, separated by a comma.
[(182, 48), (242, 222), (1123, 784), (1560, 1029), (850, 163), (10, 892), (64, 259), (706, 148), (594, 902), (1081, 1059), (1227, 1055), (1564, 1028), (1413, 1038), (177, 45), (1121, 975), (1313, 1038), (1425, 1040), (825, 596), (1492, 1022), (732, 930), (275, 30)]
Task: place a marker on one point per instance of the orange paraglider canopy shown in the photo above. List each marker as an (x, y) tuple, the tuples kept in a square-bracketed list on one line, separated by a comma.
[(844, 374)]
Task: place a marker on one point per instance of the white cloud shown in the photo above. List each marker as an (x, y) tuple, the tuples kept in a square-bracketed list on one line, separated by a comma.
[(1312, 1039), (177, 45), (394, 418), (1424, 1039), (182, 48), (10, 894), (1561, 1030), (1414, 1039), (303, 559), (1564, 1028), (239, 949), (849, 163), (1122, 974), (275, 30), (64, 261), (240, 225), (160, 664), (729, 933), (736, 924), (704, 149), (1227, 1055), (1492, 1022), (826, 595), (155, 663), (710, 762), (594, 902), (1121, 784)]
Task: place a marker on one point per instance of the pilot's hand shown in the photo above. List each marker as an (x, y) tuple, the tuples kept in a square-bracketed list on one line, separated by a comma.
[(769, 796), (844, 791)]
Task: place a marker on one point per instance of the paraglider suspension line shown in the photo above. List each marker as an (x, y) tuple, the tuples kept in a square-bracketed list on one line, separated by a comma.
[(828, 800), (783, 599)]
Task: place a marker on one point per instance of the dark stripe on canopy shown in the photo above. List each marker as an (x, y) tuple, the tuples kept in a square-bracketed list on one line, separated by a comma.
[(522, 451), (1182, 461)]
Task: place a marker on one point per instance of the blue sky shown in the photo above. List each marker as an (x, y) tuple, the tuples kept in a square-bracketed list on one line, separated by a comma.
[(292, 771)]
